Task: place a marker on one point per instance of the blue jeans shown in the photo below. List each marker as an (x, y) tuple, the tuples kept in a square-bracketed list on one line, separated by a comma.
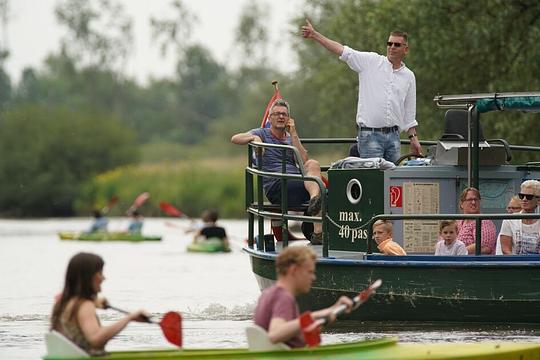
[(378, 144)]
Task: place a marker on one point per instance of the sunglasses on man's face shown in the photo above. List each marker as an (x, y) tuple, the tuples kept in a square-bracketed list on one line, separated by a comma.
[(395, 44), (526, 196)]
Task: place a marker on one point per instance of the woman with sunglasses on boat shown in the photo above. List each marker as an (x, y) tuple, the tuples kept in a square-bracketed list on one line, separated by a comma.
[(469, 202), (74, 313), (522, 236)]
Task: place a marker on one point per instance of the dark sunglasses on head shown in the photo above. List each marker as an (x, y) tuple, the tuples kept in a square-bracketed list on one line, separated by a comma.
[(389, 44), (526, 196)]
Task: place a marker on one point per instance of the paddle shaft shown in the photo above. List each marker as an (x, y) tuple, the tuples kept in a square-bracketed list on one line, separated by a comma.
[(358, 300), (127, 312)]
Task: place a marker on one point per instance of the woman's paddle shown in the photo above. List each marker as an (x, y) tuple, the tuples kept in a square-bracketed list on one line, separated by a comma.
[(171, 325), (138, 202), (312, 329)]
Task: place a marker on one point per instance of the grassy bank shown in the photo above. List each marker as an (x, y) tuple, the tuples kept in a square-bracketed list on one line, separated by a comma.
[(191, 186)]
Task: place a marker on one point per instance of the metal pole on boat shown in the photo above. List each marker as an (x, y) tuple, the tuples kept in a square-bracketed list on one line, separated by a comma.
[(249, 198), (260, 201), (469, 146), (284, 199)]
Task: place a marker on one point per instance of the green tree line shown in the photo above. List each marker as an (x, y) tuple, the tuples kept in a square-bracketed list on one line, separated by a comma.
[(70, 123)]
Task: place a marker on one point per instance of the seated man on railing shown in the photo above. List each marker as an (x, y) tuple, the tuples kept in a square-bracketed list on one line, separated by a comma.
[(282, 131)]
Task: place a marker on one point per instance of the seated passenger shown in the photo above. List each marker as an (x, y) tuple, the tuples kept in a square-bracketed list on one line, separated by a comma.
[(283, 131), (74, 313), (514, 206), (448, 243), (277, 310), (136, 223), (522, 236), (470, 204), (100, 222), (382, 234), (209, 228)]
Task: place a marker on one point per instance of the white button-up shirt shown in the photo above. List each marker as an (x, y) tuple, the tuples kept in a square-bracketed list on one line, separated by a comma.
[(386, 97)]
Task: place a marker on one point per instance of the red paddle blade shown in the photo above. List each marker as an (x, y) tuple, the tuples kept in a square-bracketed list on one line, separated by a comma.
[(171, 325), (310, 330), (170, 210)]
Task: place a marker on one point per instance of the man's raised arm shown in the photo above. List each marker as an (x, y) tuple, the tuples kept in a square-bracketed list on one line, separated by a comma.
[(244, 138), (309, 33)]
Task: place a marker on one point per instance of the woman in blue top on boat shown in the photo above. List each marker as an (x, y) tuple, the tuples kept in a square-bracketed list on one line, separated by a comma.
[(74, 313)]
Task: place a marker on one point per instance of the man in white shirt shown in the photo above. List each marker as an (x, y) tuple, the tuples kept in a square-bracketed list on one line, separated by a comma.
[(386, 95)]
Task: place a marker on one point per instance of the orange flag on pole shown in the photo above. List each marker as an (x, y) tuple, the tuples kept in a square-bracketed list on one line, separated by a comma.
[(265, 123)]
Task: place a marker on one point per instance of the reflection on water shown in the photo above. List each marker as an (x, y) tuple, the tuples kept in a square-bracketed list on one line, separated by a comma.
[(215, 293)]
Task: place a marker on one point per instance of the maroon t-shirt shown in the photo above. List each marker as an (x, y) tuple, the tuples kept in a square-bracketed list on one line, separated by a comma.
[(276, 302)]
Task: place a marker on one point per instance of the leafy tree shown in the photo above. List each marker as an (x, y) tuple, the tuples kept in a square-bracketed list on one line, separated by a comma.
[(99, 33), (252, 35), (44, 169), (5, 88), (174, 31), (456, 46)]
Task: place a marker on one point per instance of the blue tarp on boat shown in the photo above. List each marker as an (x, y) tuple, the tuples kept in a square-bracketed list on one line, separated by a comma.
[(518, 103)]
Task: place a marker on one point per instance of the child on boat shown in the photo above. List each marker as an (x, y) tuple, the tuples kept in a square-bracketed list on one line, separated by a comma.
[(74, 313), (448, 243), (382, 234), (210, 229)]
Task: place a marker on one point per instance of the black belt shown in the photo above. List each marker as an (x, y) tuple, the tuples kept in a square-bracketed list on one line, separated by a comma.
[(384, 130)]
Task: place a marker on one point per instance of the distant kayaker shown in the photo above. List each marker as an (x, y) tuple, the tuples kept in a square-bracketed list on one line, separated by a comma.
[(283, 131), (74, 313), (210, 229), (277, 310), (100, 222), (382, 234), (136, 223)]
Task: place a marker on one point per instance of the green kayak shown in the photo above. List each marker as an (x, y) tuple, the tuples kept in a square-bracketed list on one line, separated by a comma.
[(212, 245), (106, 236), (365, 350)]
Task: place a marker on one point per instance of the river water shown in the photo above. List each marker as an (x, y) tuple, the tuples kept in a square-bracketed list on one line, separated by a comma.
[(215, 293)]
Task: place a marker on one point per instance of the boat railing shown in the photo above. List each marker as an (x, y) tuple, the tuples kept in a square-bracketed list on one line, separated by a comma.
[(477, 217), (255, 205)]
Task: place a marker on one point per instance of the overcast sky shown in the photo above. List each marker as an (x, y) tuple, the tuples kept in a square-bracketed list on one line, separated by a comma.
[(33, 32)]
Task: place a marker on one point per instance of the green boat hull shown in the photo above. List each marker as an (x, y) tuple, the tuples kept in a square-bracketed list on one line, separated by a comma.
[(106, 236), (422, 288), (366, 350), (208, 246)]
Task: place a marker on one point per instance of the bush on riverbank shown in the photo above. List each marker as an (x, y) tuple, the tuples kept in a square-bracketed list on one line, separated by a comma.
[(191, 186)]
